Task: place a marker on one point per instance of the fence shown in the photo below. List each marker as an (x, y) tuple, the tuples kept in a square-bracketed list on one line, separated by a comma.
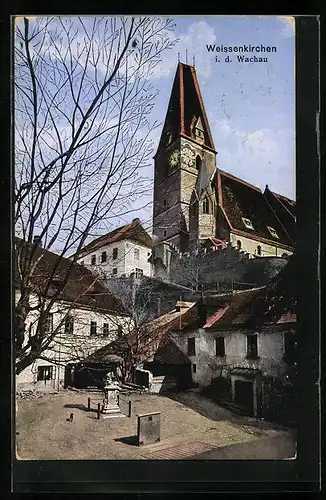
[(121, 399), (98, 409)]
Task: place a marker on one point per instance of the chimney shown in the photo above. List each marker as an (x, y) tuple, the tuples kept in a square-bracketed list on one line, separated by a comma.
[(136, 220), (37, 240)]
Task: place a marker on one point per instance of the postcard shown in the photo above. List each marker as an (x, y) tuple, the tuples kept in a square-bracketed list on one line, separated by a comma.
[(155, 313)]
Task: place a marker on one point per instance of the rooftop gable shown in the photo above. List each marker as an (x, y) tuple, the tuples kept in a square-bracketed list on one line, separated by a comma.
[(133, 231)]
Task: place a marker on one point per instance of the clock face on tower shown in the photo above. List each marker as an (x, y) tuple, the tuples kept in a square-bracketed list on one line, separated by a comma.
[(174, 158), (188, 157)]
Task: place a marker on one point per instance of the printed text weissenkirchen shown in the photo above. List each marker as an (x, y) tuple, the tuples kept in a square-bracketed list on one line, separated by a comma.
[(240, 48)]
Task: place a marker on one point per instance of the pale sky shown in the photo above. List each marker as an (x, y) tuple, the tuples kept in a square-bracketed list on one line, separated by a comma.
[(250, 106)]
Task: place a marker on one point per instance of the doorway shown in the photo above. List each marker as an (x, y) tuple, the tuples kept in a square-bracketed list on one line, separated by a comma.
[(244, 394)]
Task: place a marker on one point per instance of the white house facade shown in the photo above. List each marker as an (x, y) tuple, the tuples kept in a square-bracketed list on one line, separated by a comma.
[(122, 252)]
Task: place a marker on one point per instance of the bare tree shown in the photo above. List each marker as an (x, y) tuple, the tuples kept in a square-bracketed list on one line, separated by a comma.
[(83, 100)]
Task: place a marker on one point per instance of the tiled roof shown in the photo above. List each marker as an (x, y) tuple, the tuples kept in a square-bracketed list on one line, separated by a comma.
[(151, 335), (239, 199), (185, 103), (57, 276), (133, 231), (216, 316)]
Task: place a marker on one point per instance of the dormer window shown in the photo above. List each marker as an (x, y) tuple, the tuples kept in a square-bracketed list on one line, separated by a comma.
[(247, 223), (198, 130), (198, 162), (273, 232)]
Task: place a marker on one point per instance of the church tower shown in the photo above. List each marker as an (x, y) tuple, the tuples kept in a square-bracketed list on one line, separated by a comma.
[(185, 163)]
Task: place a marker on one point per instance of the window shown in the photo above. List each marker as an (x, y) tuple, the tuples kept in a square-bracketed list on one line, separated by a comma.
[(93, 328), (239, 245), (115, 254), (114, 271), (106, 329), (136, 254), (49, 323), (120, 331), (93, 260), (139, 273), (259, 250), (220, 346), (164, 232), (252, 347), (69, 325), (206, 205), (198, 162), (44, 372), (248, 223), (273, 232), (194, 368), (103, 257), (192, 346), (164, 202)]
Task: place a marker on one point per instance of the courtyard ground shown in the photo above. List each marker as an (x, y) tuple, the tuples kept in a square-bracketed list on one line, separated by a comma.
[(191, 425)]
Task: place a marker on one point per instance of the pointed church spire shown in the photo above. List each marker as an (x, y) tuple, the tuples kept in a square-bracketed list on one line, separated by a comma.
[(186, 108)]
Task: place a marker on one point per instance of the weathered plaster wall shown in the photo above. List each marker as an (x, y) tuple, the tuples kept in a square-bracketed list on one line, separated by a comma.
[(208, 365)]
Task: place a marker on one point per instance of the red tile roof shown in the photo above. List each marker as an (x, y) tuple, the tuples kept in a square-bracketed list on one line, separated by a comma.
[(133, 231), (216, 316), (150, 336), (270, 304)]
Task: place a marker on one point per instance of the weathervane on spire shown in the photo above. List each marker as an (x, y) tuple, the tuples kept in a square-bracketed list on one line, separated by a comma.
[(178, 56), (186, 56), (193, 61)]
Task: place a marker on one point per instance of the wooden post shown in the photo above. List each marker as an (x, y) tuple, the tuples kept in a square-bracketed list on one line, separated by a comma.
[(129, 404), (98, 410), (89, 403)]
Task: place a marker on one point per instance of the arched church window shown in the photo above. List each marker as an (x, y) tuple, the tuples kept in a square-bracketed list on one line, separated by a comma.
[(198, 162), (206, 205), (259, 250), (239, 245)]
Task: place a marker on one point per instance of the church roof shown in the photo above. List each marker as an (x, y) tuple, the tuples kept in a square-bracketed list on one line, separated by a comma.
[(248, 212), (284, 209), (185, 110)]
